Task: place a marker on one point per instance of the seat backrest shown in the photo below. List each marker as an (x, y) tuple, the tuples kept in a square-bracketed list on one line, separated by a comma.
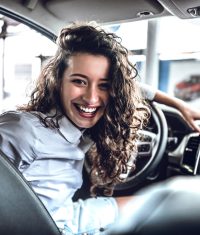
[(21, 211), (170, 207)]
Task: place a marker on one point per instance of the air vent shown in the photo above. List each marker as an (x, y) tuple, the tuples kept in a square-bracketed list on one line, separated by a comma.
[(190, 153), (194, 12)]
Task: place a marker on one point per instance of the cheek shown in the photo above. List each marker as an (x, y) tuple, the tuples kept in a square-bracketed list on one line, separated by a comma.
[(69, 93), (106, 98)]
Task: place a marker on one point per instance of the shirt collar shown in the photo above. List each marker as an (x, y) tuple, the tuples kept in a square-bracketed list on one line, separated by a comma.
[(70, 132)]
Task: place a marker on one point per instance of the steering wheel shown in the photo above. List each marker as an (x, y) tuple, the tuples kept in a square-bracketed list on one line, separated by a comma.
[(151, 148)]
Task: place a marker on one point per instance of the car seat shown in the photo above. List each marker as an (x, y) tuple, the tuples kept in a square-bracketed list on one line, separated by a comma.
[(170, 207), (21, 211)]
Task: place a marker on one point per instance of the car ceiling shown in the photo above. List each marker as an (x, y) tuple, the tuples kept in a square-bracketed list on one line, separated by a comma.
[(54, 14)]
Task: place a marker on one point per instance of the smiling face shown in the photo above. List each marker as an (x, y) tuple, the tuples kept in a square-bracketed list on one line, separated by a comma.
[(85, 89)]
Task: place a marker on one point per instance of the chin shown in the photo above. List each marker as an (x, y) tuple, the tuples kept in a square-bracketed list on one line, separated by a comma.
[(85, 126), (86, 123)]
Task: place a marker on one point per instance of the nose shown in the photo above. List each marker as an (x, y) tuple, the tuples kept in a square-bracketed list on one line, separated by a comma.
[(91, 95)]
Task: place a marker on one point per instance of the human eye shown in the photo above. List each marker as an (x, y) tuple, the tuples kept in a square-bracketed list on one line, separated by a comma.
[(79, 82), (104, 86)]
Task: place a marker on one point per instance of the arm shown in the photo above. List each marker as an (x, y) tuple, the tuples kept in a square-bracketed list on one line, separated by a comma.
[(189, 114)]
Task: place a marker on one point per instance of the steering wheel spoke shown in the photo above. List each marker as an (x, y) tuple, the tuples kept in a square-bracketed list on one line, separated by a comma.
[(146, 143)]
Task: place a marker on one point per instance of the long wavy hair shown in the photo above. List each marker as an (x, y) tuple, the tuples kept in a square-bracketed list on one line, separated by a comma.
[(115, 134)]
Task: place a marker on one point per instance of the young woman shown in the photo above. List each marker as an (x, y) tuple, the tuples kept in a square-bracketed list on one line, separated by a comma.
[(86, 99)]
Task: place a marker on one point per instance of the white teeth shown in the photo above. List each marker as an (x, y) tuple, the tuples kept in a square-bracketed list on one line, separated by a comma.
[(87, 110)]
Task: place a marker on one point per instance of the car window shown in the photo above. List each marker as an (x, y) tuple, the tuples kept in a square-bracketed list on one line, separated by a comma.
[(166, 52), (22, 53)]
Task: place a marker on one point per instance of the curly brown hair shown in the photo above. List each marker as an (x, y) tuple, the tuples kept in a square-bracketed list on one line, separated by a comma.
[(115, 134)]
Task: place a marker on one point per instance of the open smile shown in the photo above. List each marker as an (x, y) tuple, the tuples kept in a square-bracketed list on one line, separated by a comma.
[(86, 111)]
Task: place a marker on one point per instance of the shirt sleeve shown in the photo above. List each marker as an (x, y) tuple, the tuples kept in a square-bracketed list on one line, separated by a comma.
[(16, 137), (93, 215), (147, 91)]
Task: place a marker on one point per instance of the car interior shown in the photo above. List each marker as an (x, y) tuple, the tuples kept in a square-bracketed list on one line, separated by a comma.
[(168, 147)]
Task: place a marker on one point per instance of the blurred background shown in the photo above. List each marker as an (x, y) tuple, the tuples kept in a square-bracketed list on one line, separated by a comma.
[(166, 52)]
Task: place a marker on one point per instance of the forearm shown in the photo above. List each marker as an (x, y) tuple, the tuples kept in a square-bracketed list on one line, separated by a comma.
[(166, 99), (189, 114)]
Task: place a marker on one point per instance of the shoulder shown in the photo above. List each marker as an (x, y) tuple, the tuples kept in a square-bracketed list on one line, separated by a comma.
[(17, 118), (147, 91), (18, 133), (19, 123)]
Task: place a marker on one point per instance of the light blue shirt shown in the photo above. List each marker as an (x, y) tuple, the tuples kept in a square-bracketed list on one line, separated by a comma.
[(148, 92), (51, 159)]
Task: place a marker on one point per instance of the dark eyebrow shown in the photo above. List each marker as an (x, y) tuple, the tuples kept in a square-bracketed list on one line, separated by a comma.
[(84, 76), (79, 75)]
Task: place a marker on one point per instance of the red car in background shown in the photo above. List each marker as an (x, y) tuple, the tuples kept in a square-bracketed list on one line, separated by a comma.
[(188, 89)]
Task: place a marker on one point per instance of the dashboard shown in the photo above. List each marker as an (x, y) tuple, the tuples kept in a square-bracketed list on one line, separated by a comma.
[(183, 145), (180, 154), (167, 147)]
